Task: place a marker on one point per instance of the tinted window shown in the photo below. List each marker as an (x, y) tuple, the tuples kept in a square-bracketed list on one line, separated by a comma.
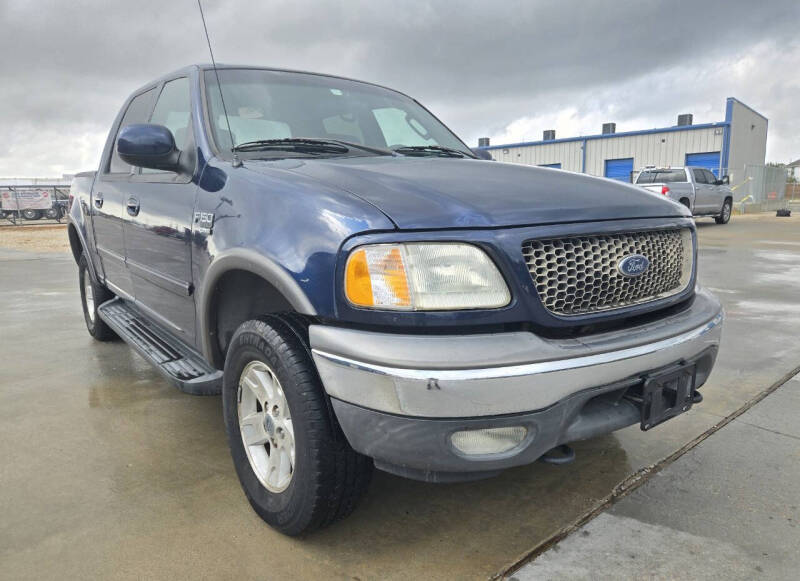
[(710, 177), (173, 111), (661, 176), (137, 112), (699, 176), (266, 104)]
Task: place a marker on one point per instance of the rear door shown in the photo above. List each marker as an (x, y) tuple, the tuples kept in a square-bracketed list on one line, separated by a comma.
[(158, 222), (701, 192), (108, 202)]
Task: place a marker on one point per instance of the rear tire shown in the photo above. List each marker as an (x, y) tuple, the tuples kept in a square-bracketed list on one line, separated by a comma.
[(725, 215), (31, 214), (92, 296), (297, 469)]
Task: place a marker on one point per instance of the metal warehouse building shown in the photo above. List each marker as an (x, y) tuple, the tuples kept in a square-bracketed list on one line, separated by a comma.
[(726, 147)]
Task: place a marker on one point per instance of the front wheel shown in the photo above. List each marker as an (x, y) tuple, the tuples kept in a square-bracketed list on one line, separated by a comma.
[(725, 215), (293, 462)]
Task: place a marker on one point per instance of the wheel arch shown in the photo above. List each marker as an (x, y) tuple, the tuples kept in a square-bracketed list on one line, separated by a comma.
[(75, 243), (78, 246), (238, 286)]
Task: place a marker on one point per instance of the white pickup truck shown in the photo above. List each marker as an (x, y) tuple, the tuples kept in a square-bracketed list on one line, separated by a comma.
[(696, 188)]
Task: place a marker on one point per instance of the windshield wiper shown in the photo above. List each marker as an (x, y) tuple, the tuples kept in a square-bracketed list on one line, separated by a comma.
[(293, 144), (420, 150), (307, 145)]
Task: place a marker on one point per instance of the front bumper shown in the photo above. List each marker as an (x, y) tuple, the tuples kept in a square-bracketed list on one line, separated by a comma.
[(399, 397)]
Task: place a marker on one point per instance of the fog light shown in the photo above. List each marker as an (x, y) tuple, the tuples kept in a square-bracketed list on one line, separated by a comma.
[(489, 440)]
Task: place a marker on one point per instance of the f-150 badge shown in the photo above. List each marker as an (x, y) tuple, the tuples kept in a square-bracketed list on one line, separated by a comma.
[(204, 221)]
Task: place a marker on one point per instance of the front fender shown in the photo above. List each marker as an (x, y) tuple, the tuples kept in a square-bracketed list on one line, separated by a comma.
[(250, 261)]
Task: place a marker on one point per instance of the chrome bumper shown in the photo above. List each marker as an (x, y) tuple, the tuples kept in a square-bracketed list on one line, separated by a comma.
[(466, 376)]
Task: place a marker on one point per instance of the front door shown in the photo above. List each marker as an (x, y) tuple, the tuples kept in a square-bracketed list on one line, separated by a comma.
[(158, 223), (108, 203), (716, 194)]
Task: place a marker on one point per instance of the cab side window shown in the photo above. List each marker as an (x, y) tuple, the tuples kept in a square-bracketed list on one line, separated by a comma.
[(699, 176), (173, 110), (137, 112), (710, 177)]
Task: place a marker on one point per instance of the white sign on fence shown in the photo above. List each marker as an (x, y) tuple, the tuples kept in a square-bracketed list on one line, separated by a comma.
[(26, 200)]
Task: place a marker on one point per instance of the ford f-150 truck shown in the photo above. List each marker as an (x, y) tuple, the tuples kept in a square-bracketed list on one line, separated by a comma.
[(364, 292), (695, 187)]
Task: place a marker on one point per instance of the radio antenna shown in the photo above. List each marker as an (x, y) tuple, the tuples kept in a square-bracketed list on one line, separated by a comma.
[(236, 161)]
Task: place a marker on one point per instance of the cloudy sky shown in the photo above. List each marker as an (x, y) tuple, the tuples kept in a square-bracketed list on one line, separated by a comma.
[(505, 69)]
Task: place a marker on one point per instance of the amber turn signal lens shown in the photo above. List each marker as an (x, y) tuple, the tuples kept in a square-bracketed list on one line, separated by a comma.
[(358, 286), (375, 276)]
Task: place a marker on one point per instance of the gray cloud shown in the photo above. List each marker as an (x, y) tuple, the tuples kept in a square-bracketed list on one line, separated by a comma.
[(507, 69)]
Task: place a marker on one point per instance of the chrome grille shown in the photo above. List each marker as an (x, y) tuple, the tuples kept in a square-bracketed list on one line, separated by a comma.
[(579, 274)]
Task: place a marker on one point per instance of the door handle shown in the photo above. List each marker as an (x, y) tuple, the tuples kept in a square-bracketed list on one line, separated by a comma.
[(98, 200), (132, 206)]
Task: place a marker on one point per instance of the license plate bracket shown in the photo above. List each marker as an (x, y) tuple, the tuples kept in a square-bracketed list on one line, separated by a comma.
[(667, 394)]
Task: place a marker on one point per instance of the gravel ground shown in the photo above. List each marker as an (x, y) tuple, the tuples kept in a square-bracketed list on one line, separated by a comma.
[(49, 238)]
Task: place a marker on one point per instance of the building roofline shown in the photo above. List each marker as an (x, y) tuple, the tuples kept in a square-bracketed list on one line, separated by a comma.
[(746, 106), (613, 135)]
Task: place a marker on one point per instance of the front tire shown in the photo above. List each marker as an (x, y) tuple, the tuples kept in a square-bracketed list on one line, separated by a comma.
[(293, 462), (725, 215), (92, 296)]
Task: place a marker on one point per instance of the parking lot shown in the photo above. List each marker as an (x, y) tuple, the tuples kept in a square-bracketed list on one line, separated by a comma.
[(109, 472)]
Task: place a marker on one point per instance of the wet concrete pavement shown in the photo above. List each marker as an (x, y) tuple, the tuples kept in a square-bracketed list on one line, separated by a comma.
[(727, 509), (109, 472)]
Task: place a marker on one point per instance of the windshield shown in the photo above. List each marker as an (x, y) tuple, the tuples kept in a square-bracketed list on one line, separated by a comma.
[(277, 105), (661, 176)]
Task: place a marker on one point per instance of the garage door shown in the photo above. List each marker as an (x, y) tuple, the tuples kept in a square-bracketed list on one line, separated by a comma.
[(709, 161), (619, 169)]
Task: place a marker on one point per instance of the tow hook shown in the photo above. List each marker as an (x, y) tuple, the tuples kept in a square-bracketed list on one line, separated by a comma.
[(562, 454)]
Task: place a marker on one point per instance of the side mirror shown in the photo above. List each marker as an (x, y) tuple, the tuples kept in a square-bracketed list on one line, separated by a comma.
[(482, 153), (147, 145), (726, 180)]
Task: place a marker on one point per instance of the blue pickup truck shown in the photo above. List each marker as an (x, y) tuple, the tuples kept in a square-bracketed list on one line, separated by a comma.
[(365, 292)]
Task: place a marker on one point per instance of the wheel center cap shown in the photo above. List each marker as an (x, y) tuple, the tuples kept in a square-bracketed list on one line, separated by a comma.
[(269, 425)]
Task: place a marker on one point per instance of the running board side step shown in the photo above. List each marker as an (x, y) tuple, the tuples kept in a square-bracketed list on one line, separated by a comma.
[(180, 364)]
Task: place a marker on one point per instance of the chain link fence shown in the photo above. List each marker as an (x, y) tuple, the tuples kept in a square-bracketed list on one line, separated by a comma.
[(763, 188), (35, 204)]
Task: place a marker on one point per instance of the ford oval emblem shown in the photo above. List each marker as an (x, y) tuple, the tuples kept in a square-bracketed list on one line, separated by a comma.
[(633, 265)]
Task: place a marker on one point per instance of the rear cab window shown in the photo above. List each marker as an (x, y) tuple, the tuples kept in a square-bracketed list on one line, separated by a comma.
[(659, 176)]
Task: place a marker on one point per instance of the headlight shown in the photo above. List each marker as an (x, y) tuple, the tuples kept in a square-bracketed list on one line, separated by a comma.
[(424, 276)]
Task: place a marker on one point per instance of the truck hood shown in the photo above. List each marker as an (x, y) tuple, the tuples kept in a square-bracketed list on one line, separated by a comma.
[(432, 193)]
